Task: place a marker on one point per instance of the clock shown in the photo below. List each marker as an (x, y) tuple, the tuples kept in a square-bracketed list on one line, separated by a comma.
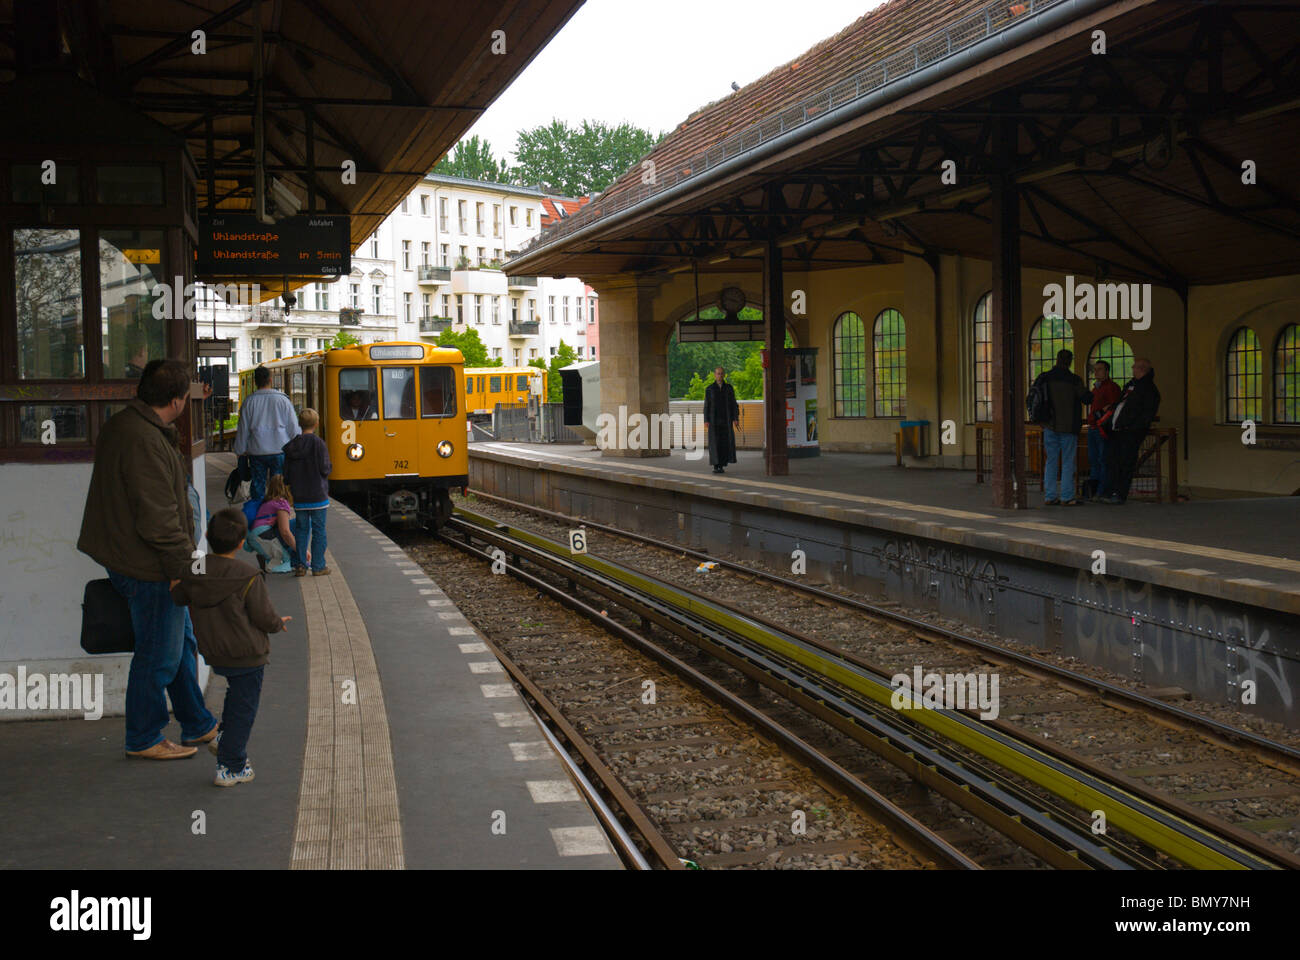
[(732, 300)]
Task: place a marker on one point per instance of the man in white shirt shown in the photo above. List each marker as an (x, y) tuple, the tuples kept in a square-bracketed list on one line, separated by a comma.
[(267, 421)]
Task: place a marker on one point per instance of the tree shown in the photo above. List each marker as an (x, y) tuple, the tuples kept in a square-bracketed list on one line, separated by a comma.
[(748, 380), (564, 355), (695, 390), (343, 339), (470, 347), (582, 160), (473, 159)]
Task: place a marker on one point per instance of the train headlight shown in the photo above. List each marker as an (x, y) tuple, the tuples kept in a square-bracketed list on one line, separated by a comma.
[(445, 448), (355, 452)]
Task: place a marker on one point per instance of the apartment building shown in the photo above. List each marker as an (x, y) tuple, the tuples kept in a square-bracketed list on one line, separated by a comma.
[(435, 263)]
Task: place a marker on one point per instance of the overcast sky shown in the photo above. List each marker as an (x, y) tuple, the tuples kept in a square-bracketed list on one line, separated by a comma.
[(652, 64)]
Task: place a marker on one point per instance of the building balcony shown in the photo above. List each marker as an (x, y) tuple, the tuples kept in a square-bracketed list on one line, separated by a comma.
[(517, 282), (524, 328), (431, 274), (350, 316), (481, 280), (580, 330), (435, 324)]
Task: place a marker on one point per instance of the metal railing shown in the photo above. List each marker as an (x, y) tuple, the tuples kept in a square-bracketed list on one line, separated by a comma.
[(520, 281), (435, 324), (515, 422), (1156, 476), (979, 25), (524, 328)]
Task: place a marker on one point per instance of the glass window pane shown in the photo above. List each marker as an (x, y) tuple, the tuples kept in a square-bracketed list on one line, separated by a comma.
[(983, 360), (1286, 377), (53, 425), (399, 393), (29, 187), (140, 185), (1116, 352), (358, 398), (437, 392), (130, 264), (521, 383), (1244, 379), (47, 274), (1049, 336), (850, 366), (889, 355)]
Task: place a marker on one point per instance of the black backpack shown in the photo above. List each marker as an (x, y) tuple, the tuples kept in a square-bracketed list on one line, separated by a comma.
[(1039, 402)]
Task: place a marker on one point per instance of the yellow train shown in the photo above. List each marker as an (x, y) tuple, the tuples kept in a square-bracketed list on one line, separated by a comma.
[(485, 387), (391, 418)]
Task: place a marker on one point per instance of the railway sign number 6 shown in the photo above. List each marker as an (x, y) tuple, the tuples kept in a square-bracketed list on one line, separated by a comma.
[(578, 541)]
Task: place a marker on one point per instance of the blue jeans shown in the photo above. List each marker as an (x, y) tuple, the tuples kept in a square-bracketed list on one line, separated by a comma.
[(165, 663), (1098, 452), (309, 533), (243, 693), (264, 465), (1060, 453)]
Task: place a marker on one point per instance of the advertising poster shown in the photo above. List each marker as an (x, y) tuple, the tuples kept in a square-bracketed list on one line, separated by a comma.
[(801, 401)]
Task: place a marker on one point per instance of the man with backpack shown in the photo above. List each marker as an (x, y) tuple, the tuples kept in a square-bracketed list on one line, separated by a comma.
[(1056, 401)]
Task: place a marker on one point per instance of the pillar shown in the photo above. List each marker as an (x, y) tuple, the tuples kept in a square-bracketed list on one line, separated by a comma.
[(633, 356)]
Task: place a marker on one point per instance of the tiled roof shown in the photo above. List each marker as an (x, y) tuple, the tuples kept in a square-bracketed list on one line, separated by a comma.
[(879, 47), (555, 209)]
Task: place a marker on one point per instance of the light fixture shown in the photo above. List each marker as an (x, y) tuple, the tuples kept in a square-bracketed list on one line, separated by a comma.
[(445, 448), (355, 452)]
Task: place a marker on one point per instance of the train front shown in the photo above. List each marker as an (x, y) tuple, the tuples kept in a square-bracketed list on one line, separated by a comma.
[(396, 429)]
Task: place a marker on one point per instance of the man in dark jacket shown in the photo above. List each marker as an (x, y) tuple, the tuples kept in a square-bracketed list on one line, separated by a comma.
[(306, 467), (232, 615), (721, 414), (1134, 413), (1061, 432), (139, 524)]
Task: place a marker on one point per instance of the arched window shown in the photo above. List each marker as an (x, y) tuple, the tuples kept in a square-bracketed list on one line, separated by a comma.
[(1049, 336), (850, 366), (1116, 352), (889, 352), (983, 360), (1243, 381), (1286, 376)]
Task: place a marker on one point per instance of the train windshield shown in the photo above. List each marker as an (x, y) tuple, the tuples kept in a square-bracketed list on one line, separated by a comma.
[(437, 392), (358, 398), (399, 393)]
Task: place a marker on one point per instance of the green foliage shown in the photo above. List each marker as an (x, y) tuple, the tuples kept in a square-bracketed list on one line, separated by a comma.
[(582, 160), (470, 346), (741, 360), (343, 338), (564, 355), (473, 160)]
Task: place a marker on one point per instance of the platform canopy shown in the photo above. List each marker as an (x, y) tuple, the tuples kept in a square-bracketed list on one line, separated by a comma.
[(389, 85), (886, 138)]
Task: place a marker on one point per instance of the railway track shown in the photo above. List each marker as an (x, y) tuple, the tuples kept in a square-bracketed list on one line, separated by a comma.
[(1044, 801), (654, 745)]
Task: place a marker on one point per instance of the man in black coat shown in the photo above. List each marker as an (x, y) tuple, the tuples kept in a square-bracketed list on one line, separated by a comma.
[(721, 413), (1130, 422)]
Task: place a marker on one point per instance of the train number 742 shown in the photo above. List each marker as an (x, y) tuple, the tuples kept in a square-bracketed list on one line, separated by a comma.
[(400, 464)]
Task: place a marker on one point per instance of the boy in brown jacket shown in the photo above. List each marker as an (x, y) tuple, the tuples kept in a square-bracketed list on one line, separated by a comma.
[(232, 616)]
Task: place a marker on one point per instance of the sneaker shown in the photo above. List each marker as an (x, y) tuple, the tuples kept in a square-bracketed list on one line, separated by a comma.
[(1115, 501), (208, 737), (322, 572), (165, 750), (225, 778), (300, 571), (1051, 503), (214, 743)]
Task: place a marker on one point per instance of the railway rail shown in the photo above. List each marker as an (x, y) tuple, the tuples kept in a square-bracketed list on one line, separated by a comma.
[(1033, 795)]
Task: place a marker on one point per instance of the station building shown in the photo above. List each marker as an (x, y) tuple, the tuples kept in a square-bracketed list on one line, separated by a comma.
[(906, 196)]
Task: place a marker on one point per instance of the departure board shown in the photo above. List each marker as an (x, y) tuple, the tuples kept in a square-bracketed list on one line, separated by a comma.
[(307, 245)]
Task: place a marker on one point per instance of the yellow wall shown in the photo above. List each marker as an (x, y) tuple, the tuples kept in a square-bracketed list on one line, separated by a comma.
[(940, 374)]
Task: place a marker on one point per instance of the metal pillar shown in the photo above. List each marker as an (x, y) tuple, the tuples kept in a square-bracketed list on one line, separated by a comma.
[(775, 458), (1008, 355)]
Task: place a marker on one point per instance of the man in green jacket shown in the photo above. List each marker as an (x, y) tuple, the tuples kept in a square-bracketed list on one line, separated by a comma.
[(138, 523)]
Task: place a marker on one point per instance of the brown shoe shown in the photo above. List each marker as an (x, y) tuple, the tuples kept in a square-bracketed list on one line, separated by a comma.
[(166, 750), (322, 572), (300, 571), (206, 738)]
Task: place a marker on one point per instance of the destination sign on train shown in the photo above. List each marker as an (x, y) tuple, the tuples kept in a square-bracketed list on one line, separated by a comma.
[(307, 245)]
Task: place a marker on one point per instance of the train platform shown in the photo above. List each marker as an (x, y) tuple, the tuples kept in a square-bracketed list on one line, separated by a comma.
[(388, 737), (1245, 550)]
